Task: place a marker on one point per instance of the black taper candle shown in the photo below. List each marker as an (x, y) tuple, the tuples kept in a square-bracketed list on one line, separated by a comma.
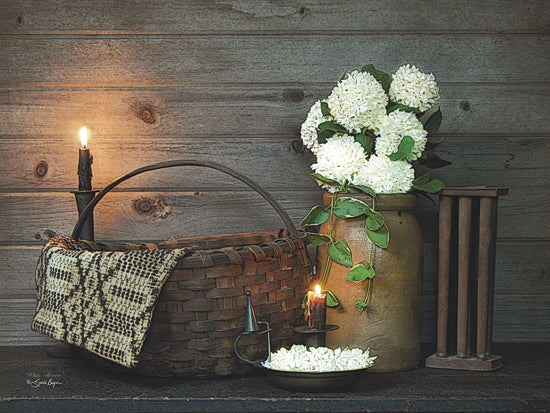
[(85, 160)]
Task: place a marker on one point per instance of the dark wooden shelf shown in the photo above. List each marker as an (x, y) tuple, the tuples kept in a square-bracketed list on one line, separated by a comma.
[(32, 381)]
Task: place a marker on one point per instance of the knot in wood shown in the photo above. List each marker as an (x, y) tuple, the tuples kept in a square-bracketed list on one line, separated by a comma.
[(41, 169), (145, 111), (465, 105), (151, 207), (147, 114), (297, 146), (293, 95)]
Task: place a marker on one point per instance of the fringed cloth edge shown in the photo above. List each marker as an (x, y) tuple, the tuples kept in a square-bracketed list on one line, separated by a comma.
[(100, 301)]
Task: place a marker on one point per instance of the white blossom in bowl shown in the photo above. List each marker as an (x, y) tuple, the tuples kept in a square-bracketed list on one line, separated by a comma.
[(300, 358), (413, 88)]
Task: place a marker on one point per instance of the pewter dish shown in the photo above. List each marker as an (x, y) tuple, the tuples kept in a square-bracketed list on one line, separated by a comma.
[(330, 381)]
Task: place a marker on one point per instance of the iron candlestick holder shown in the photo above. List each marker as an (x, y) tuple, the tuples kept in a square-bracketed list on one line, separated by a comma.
[(252, 326), (314, 337)]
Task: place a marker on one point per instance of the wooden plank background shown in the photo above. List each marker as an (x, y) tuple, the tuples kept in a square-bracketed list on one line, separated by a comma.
[(232, 81)]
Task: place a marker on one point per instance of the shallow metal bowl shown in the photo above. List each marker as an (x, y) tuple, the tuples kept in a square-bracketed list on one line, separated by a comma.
[(314, 382)]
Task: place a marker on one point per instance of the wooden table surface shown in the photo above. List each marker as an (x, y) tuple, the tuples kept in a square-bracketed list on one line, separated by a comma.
[(32, 381)]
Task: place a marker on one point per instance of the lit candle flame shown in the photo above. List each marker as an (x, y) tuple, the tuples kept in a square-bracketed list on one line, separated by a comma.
[(84, 137), (318, 290)]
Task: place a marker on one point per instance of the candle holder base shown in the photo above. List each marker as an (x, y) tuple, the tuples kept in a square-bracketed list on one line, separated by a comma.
[(83, 198), (313, 337)]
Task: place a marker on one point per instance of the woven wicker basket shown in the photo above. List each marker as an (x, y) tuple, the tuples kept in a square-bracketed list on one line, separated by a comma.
[(201, 309)]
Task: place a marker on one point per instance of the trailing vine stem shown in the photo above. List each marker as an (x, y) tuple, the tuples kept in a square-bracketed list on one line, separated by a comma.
[(331, 218)]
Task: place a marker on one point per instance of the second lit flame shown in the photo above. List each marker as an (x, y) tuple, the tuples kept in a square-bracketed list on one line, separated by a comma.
[(318, 290), (84, 137)]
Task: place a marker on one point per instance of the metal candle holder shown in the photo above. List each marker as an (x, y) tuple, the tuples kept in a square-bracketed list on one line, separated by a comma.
[(313, 337), (252, 326), (83, 198)]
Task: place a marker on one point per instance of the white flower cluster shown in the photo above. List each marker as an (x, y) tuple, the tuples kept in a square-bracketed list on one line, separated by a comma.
[(395, 127), (357, 103), (309, 127), (339, 158), (385, 176), (413, 88), (319, 359)]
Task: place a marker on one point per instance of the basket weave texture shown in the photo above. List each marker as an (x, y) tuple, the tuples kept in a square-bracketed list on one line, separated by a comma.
[(201, 309)]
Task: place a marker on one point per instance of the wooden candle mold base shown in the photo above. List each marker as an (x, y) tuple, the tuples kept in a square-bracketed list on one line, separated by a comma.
[(491, 363)]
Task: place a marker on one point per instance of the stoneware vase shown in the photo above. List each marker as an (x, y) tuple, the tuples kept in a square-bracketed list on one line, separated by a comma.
[(390, 325)]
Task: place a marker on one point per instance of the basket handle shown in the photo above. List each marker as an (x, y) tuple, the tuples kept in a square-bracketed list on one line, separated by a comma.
[(89, 208)]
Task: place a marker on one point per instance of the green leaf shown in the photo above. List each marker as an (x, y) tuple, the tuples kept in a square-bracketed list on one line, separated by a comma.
[(392, 106), (360, 272), (383, 78), (347, 207), (431, 187), (365, 189), (304, 301), (431, 144), (325, 180), (331, 126), (324, 135), (433, 123), (375, 221), (404, 150), (316, 216), (332, 301), (380, 237), (422, 179), (340, 253), (350, 189), (366, 142), (431, 160), (345, 75), (325, 109), (318, 239)]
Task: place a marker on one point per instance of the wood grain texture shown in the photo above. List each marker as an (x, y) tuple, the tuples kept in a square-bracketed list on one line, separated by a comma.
[(151, 61), (251, 111), (262, 16), (51, 163), (231, 81), (206, 213), (150, 216)]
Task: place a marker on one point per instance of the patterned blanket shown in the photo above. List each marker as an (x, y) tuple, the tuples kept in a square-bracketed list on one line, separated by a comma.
[(100, 301)]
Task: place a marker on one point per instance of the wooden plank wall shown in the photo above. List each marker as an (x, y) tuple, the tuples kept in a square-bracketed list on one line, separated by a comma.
[(231, 81)]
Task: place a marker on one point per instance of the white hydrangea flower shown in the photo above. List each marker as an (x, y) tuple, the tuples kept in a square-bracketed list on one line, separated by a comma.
[(358, 101), (339, 158), (394, 127), (309, 127), (385, 176), (413, 88), (319, 359)]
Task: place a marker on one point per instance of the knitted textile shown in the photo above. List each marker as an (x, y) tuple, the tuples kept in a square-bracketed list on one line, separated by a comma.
[(100, 301)]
